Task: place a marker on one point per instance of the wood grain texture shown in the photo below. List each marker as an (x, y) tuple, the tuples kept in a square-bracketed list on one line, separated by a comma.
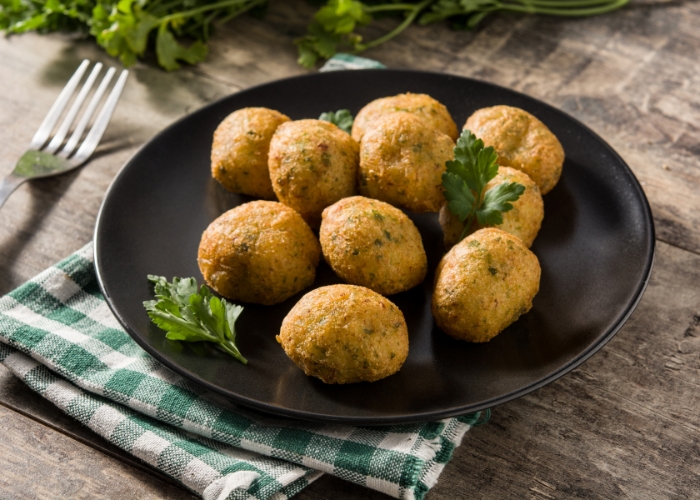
[(623, 425), (49, 218), (38, 462)]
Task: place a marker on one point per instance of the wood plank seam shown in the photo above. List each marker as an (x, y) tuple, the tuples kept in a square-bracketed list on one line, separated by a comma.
[(142, 466)]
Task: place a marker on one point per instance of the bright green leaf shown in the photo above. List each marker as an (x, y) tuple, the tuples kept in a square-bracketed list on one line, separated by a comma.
[(465, 182), (497, 200), (169, 51), (460, 198), (342, 118), (193, 315)]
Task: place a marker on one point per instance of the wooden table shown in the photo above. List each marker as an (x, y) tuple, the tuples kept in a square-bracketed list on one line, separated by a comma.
[(625, 424)]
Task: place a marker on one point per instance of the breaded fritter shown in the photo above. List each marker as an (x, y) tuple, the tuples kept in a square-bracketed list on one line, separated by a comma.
[(483, 284), (432, 112), (402, 161), (370, 243), (521, 141), (523, 220), (261, 252), (344, 333), (312, 165), (239, 153)]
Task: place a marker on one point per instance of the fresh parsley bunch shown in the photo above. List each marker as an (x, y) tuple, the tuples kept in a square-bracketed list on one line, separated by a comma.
[(335, 27), (194, 315), (176, 29), (465, 181), (342, 118), (179, 29)]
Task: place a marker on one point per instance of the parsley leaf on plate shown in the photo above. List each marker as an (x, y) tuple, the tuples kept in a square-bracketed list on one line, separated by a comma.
[(496, 201), (465, 181), (192, 315), (342, 118)]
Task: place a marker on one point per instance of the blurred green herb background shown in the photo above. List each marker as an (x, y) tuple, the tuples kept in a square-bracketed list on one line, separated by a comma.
[(178, 30)]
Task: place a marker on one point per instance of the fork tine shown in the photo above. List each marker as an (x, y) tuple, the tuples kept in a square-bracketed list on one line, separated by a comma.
[(55, 112), (87, 115), (98, 128), (73, 112)]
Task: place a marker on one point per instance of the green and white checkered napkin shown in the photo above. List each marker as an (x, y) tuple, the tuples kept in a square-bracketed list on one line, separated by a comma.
[(58, 335)]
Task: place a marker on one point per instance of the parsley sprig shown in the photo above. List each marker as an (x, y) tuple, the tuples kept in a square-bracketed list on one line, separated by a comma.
[(176, 29), (342, 118), (465, 181), (336, 26), (179, 29), (194, 315)]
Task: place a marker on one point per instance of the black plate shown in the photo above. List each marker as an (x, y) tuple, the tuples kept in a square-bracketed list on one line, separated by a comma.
[(596, 249)]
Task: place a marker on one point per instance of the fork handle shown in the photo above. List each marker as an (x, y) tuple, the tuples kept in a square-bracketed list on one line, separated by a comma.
[(8, 185)]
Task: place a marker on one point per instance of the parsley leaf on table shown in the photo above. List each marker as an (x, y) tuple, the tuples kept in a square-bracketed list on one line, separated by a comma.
[(465, 181), (337, 25), (178, 30), (342, 118), (194, 316)]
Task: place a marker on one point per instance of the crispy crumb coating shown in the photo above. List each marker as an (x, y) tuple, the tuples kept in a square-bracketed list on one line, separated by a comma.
[(423, 106), (521, 141), (240, 149), (261, 252), (483, 284), (312, 165), (370, 243), (402, 161), (523, 221), (343, 334)]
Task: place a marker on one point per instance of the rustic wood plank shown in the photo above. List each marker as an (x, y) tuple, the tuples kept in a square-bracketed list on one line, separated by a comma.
[(15, 396), (39, 462), (623, 425), (628, 413), (51, 218)]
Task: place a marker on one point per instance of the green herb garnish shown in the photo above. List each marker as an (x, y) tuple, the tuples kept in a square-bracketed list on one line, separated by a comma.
[(335, 25), (178, 30), (465, 181), (194, 316), (342, 118)]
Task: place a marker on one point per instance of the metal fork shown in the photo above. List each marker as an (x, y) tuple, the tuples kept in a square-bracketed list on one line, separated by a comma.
[(43, 160)]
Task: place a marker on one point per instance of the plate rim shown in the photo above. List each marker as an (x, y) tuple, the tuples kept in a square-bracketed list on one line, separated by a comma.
[(373, 420)]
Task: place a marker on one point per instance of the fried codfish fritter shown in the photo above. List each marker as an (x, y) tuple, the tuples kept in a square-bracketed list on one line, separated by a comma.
[(432, 112), (312, 165), (343, 334), (521, 141), (261, 252), (370, 243), (523, 221), (402, 161), (483, 284), (239, 153)]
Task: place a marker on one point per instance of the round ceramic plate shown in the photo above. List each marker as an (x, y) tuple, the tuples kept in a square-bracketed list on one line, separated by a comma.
[(596, 249)]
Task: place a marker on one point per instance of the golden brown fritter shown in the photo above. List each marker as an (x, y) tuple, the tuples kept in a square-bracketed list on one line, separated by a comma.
[(523, 221), (261, 252), (370, 243), (423, 106), (239, 153), (521, 141), (485, 283), (343, 334), (402, 161), (312, 164)]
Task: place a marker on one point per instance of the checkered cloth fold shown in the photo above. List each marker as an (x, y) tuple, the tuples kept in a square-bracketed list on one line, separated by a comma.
[(58, 335)]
